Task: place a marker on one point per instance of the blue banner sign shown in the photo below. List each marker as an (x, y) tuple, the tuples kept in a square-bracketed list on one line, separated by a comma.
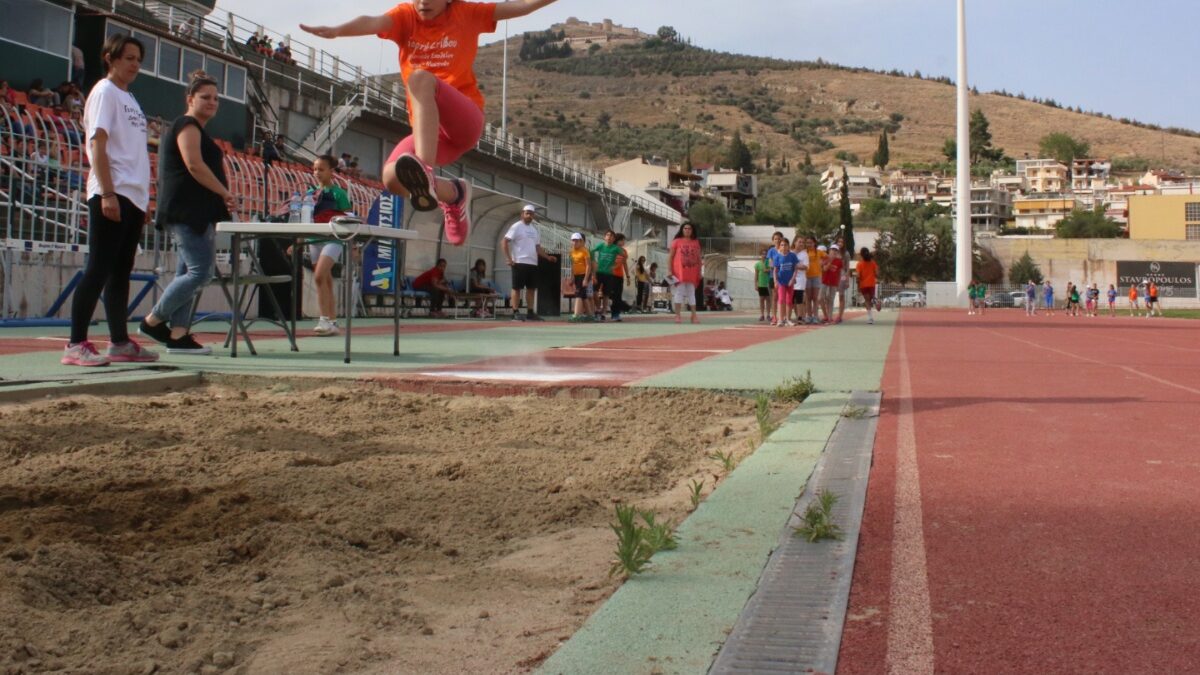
[(379, 257)]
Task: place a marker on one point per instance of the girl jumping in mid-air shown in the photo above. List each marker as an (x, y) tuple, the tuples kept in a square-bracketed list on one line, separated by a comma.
[(438, 40)]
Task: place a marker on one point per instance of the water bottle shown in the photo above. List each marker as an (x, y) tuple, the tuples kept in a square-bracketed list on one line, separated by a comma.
[(306, 207), (294, 208)]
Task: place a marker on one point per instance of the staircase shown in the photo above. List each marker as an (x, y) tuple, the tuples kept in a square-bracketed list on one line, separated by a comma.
[(322, 138)]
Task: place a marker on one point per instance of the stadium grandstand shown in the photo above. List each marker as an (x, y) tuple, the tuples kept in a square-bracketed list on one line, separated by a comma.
[(274, 91)]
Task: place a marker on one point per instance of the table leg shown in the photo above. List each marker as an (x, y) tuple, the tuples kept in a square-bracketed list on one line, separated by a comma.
[(348, 293), (396, 278), (235, 262), (295, 300)]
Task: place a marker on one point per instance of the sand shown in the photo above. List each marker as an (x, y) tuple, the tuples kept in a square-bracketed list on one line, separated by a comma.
[(301, 527)]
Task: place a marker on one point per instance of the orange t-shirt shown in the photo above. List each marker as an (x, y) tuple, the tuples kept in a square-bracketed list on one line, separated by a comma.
[(1154, 291), (445, 46), (1133, 292), (866, 273)]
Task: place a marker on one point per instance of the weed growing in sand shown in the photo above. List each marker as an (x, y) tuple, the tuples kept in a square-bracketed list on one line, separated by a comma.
[(762, 412), (636, 543), (855, 412), (696, 487), (796, 389), (725, 458), (818, 519)]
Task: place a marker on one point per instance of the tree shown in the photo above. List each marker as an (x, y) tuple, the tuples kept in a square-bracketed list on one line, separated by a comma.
[(1063, 147), (846, 215), (950, 149), (1082, 224), (882, 154), (710, 219), (981, 140), (917, 245), (739, 156), (817, 218), (667, 34), (1024, 270)]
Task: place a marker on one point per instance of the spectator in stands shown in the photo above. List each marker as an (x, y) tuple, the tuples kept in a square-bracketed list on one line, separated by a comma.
[(270, 150), (118, 195), (7, 95), (329, 200), (73, 100), (478, 285), (193, 195), (40, 95), (283, 52), (153, 131), (433, 282), (78, 67), (445, 104), (187, 29)]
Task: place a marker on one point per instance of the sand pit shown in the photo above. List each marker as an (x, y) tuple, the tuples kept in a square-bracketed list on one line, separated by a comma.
[(317, 527)]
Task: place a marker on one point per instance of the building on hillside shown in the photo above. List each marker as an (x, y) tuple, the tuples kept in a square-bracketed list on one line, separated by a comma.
[(1043, 175), (672, 186), (910, 187), (1164, 217), (864, 182), (1009, 182), (1159, 178), (991, 207), (943, 194), (738, 191), (1091, 181), (1188, 187), (1118, 201), (1041, 211)]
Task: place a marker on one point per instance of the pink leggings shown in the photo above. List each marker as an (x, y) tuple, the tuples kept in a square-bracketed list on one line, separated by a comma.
[(460, 126), (787, 295)]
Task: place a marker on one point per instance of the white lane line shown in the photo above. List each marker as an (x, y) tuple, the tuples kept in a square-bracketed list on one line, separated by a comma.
[(910, 623), (644, 349), (1131, 371), (516, 376)]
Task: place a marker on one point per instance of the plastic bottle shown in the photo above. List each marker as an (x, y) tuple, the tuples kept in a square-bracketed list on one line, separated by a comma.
[(306, 207), (294, 208)]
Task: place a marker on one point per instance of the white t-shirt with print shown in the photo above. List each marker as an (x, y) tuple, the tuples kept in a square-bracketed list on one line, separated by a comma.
[(119, 115), (800, 281), (523, 241)]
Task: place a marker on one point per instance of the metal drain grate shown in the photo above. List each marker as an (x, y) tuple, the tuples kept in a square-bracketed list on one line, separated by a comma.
[(793, 623)]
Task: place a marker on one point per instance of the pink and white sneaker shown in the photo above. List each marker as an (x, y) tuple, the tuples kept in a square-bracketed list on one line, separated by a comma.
[(418, 180), (130, 352), (457, 216), (83, 354)]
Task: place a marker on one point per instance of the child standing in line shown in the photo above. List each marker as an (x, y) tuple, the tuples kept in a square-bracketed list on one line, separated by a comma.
[(971, 298), (762, 276), (799, 280), (1133, 300), (1030, 298), (785, 268), (1048, 296), (438, 41), (1073, 299), (1112, 300), (583, 269)]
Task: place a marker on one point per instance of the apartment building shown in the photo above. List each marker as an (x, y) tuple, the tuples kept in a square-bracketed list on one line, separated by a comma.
[(1118, 200), (864, 183), (739, 191), (1041, 211), (1156, 216), (655, 177), (991, 207), (1043, 175)]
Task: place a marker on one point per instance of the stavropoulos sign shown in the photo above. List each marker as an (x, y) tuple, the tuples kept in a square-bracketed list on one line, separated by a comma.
[(1174, 279)]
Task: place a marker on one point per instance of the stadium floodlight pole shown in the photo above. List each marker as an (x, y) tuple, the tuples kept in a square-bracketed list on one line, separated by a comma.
[(504, 87), (963, 232)]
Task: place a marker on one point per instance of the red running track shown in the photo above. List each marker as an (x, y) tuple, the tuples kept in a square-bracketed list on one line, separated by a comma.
[(1055, 481)]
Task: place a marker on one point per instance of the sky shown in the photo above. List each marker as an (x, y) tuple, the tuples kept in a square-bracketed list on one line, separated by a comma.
[(1127, 59)]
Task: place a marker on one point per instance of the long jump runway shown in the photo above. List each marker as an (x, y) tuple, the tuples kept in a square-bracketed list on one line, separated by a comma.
[(1034, 501)]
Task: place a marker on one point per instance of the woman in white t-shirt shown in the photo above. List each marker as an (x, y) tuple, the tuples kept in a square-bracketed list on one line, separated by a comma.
[(118, 193)]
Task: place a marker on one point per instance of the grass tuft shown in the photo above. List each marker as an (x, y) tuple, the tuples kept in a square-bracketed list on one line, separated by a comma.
[(796, 389), (637, 543), (817, 521)]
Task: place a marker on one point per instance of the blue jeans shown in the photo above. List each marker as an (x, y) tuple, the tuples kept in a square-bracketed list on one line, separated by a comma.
[(197, 260)]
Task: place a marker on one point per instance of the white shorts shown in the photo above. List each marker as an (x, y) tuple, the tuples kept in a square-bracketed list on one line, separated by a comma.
[(684, 294), (330, 250)]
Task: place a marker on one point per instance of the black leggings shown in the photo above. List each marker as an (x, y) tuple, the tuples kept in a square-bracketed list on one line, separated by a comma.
[(643, 293), (112, 246)]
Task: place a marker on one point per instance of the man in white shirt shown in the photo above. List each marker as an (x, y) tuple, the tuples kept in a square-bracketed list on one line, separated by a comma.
[(522, 246)]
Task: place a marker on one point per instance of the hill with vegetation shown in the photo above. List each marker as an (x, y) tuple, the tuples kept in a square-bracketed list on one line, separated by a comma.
[(607, 100)]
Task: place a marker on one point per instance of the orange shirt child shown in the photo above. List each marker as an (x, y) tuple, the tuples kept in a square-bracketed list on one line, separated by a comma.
[(445, 46), (867, 271)]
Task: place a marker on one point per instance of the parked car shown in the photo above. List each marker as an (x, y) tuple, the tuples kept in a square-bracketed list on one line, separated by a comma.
[(1006, 299), (905, 299)]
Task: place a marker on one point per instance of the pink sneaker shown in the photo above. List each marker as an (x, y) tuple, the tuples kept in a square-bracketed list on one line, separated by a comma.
[(130, 352), (457, 216), (83, 354), (418, 179)]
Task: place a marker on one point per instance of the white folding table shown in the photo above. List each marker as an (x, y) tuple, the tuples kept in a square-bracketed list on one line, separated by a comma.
[(349, 231)]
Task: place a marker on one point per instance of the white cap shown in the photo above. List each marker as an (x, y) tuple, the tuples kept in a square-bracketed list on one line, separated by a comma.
[(529, 207), (835, 246), (576, 237), (822, 248)]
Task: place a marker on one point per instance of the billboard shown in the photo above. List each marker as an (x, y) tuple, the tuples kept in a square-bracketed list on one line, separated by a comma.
[(379, 257), (1174, 279)]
